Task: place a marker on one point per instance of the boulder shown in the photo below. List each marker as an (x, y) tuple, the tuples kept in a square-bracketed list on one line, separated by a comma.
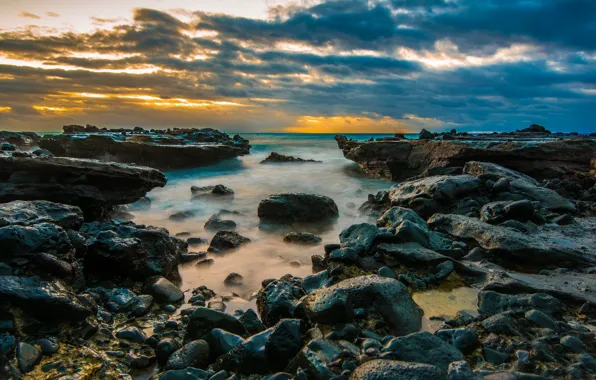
[(284, 342), (277, 301), (422, 347), (130, 250), (382, 369), (92, 185), (492, 303), (203, 320), (411, 253), (166, 292), (48, 301), (297, 207), (249, 357), (388, 297), (315, 358), (28, 357), (225, 241), (25, 241), (216, 223)]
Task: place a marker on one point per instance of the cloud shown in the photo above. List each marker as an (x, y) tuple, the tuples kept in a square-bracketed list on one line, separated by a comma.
[(29, 15)]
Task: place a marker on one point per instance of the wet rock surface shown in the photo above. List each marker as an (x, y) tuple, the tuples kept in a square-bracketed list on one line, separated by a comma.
[(275, 157)]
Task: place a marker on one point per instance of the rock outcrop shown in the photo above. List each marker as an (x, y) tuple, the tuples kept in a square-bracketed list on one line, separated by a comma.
[(297, 207), (275, 157), (399, 160), (92, 185), (189, 148)]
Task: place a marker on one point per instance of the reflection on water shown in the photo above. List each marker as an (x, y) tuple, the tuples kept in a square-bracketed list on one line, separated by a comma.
[(266, 256), (440, 303)]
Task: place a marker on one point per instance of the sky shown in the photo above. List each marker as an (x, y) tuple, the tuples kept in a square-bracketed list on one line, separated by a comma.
[(343, 66)]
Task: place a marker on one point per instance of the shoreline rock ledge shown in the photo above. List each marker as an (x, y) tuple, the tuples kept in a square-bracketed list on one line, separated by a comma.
[(169, 149), (92, 185), (400, 159)]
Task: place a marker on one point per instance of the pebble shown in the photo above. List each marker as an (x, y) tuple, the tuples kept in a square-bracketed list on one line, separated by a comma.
[(28, 357)]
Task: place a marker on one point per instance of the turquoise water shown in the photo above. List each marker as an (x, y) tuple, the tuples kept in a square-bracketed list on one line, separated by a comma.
[(266, 256)]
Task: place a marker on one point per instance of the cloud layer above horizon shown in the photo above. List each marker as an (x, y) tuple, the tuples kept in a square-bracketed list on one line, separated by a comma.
[(331, 66)]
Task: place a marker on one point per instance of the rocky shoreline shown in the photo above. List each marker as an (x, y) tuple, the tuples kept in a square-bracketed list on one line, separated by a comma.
[(87, 295)]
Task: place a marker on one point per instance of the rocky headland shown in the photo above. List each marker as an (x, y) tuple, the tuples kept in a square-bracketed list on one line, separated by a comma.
[(162, 149), (86, 295)]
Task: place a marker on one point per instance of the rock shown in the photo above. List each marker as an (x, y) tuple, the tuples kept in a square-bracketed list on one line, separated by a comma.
[(203, 320), (493, 303), (28, 357), (132, 334), (423, 347), (277, 300), (522, 185), (347, 255), (501, 324), (48, 301), (498, 212), (387, 272), (225, 241), (460, 370), (297, 207), (143, 204), (509, 244), (573, 344), (48, 346), (464, 339), (158, 150), (205, 263), (399, 160), (234, 279), (444, 269), (29, 213), (215, 223), (25, 241), (93, 186), (437, 188), (221, 342), (329, 307), (166, 292), (275, 157), (494, 356), (284, 342), (181, 216), (425, 135), (381, 369), (211, 191), (411, 253), (248, 357), (193, 354), (541, 320), (196, 241), (315, 358), (388, 297), (130, 250), (165, 348), (302, 238), (316, 281), (251, 322), (359, 237)]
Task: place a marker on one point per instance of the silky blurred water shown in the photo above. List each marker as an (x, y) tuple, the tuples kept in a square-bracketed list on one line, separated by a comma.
[(267, 256)]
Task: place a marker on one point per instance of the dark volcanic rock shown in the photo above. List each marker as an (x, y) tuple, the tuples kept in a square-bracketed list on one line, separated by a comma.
[(297, 207), (50, 301), (277, 299), (381, 369), (302, 238), (92, 185), (423, 347), (399, 160), (22, 241), (284, 342), (275, 157), (505, 242), (224, 241), (27, 213), (211, 191), (216, 223), (28, 357), (203, 320), (130, 250), (388, 297), (248, 357), (193, 354), (186, 151)]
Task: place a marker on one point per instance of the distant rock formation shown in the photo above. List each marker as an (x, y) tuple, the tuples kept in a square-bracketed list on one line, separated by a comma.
[(275, 157)]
